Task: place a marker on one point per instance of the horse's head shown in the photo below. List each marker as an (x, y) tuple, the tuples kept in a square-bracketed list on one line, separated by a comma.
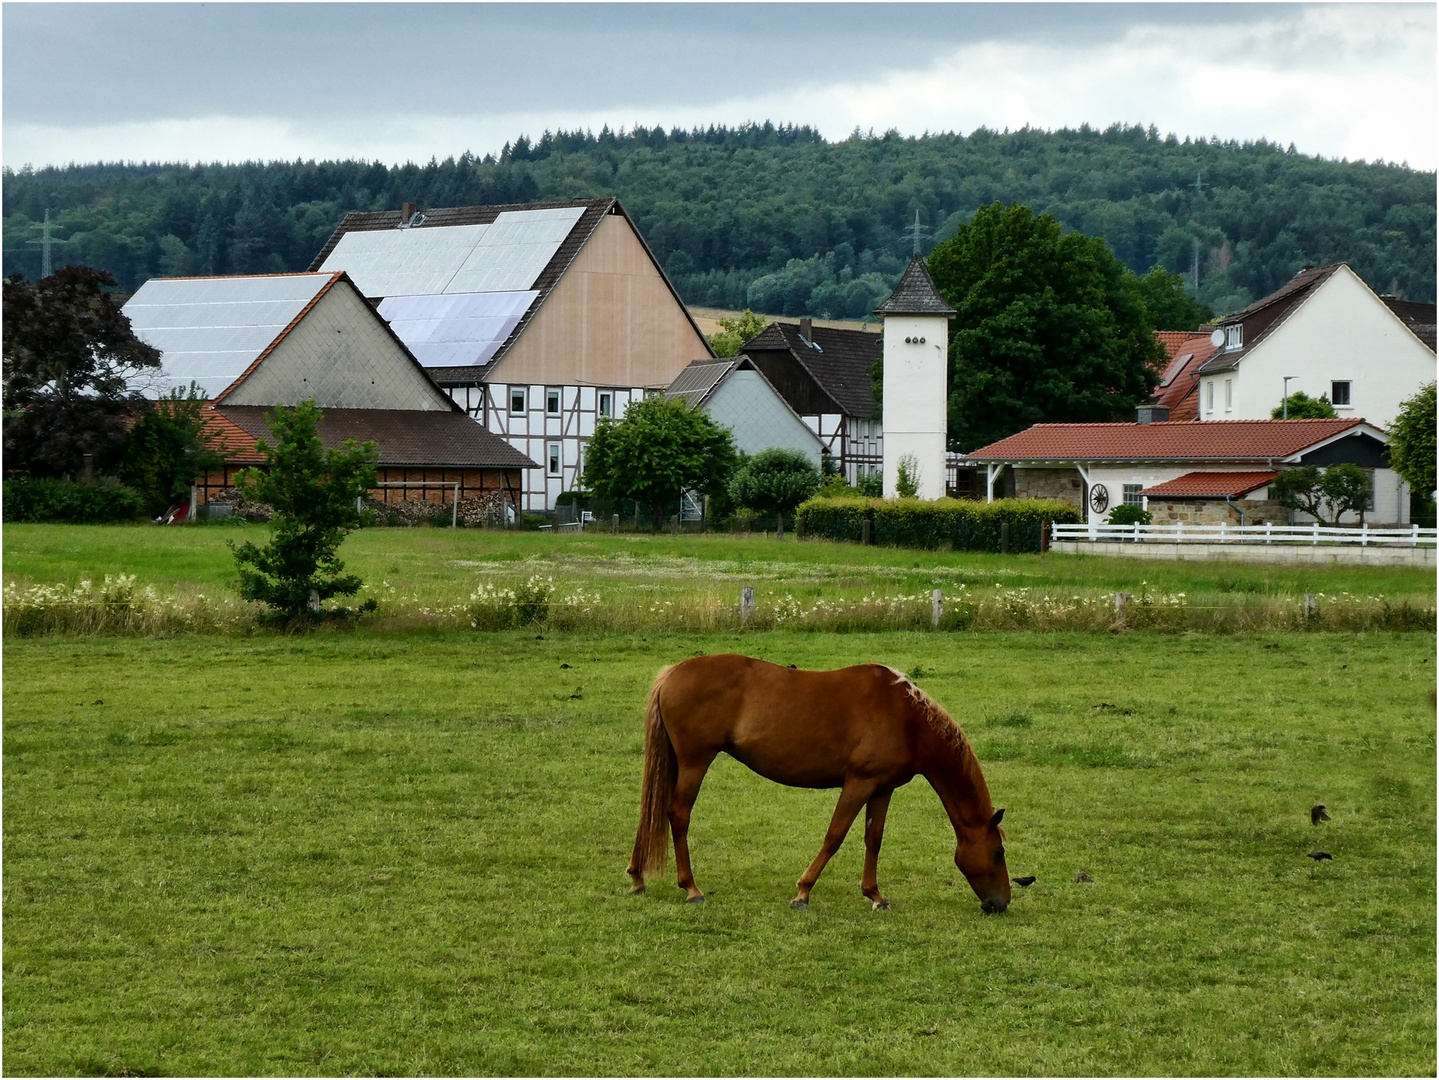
[(980, 858)]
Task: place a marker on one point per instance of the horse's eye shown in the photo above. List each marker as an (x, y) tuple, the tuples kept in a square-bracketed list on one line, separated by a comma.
[(1000, 853)]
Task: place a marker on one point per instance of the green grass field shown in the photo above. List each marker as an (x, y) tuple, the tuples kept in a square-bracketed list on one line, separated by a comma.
[(404, 854)]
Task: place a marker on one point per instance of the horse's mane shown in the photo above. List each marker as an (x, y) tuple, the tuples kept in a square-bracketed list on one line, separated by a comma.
[(934, 715)]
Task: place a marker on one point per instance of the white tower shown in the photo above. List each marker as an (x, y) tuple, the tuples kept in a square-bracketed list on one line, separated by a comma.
[(916, 363)]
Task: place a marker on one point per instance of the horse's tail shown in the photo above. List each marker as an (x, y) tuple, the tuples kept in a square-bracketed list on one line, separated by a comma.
[(652, 843)]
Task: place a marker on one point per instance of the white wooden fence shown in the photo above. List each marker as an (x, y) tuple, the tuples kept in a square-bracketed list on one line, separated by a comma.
[(1315, 534)]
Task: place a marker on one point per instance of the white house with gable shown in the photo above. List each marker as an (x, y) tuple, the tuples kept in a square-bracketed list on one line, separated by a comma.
[(1328, 334)]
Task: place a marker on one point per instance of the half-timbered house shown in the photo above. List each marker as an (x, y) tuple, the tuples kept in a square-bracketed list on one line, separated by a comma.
[(826, 374), (537, 319)]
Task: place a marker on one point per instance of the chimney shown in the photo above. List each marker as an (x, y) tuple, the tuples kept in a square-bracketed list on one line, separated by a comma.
[(806, 331), (408, 211), (1152, 414)]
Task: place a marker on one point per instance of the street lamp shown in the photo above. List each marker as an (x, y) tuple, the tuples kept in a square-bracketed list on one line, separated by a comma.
[(1287, 380)]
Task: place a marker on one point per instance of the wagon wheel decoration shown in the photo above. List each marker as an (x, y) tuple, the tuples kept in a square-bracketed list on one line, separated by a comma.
[(1099, 498)]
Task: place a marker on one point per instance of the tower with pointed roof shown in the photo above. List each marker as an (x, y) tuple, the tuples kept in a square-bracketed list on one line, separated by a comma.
[(916, 360)]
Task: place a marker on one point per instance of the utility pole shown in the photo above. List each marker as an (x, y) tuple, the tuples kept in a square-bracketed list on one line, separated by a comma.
[(46, 241), (1287, 380), (916, 232), (1198, 187)]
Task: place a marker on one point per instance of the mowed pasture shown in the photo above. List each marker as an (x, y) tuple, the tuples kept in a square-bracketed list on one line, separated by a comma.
[(404, 854)]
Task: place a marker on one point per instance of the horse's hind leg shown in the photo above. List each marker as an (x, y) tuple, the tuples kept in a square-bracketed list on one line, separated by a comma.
[(687, 789), (851, 798), (873, 836)]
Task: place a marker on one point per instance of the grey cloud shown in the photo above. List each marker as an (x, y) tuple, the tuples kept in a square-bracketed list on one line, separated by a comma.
[(84, 64)]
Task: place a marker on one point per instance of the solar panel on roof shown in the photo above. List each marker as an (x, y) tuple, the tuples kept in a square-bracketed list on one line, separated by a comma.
[(455, 330), (209, 330), (404, 262), (515, 250)]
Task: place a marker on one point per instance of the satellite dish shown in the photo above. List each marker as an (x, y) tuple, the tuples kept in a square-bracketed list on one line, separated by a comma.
[(1217, 338)]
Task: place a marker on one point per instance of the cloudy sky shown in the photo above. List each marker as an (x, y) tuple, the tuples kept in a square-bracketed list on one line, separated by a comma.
[(398, 82)]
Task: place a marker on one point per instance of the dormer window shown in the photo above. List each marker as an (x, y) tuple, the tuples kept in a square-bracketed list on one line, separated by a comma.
[(1234, 337)]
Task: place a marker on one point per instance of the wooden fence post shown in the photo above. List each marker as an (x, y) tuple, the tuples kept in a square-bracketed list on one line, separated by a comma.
[(1004, 538), (779, 526), (937, 608), (1043, 537), (799, 527), (1311, 605), (615, 524), (674, 524), (866, 531), (746, 605), (1121, 601)]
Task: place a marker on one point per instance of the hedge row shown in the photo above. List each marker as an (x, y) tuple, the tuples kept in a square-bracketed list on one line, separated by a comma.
[(27, 499), (960, 524)]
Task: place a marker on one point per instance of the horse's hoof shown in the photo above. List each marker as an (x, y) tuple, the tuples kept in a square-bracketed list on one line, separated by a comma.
[(700, 899), (880, 905), (799, 905)]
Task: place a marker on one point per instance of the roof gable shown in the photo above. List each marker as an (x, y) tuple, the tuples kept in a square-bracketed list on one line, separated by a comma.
[(839, 361), (212, 330), (1263, 318)]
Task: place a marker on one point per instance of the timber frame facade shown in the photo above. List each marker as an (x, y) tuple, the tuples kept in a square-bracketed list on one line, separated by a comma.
[(606, 328)]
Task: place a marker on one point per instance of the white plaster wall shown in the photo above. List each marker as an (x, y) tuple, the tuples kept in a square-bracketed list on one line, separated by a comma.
[(1342, 332), (915, 403), (1114, 477)]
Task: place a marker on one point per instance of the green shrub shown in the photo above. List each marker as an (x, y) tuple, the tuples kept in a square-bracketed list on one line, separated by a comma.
[(960, 524), (1130, 514), (27, 499)]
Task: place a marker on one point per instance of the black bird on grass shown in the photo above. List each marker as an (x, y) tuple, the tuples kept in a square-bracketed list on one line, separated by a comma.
[(1318, 856), (1081, 878), (1317, 814), (1024, 882)]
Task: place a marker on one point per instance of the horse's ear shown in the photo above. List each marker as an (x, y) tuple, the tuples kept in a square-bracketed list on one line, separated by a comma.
[(998, 817)]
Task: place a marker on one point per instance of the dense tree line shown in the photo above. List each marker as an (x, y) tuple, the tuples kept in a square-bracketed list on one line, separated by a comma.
[(776, 218)]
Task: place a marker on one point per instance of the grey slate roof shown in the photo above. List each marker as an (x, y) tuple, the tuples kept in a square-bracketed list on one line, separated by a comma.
[(1418, 317), (915, 294), (695, 383), (840, 365)]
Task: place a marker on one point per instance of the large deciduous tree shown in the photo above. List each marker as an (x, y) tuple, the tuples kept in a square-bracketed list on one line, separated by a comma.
[(1050, 327), (314, 493), (1411, 446), (1325, 495), (774, 481), (168, 449), (660, 449), (70, 358)]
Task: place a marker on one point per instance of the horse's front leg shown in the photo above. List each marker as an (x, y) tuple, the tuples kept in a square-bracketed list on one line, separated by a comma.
[(873, 835), (687, 790), (854, 795)]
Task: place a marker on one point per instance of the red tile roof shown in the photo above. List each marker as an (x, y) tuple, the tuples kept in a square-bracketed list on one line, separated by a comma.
[(1214, 485), (229, 438), (1172, 340), (1178, 389), (1184, 440)]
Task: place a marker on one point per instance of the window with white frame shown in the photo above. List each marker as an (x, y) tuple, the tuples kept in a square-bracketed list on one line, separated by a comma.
[(1339, 394), (1228, 395), (1131, 495), (517, 401), (1234, 337), (1209, 396), (552, 401), (607, 404), (554, 459)]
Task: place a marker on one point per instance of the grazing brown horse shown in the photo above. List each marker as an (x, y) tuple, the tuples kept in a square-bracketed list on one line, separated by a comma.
[(865, 730)]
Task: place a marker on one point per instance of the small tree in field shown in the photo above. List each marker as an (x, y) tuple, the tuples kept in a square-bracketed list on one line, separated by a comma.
[(660, 449), (735, 332), (774, 481), (1325, 495), (313, 491), (906, 480), (168, 450)]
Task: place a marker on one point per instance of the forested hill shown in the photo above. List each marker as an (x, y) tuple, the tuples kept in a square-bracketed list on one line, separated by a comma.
[(776, 218)]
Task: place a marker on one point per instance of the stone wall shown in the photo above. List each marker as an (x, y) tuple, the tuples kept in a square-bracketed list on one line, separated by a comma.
[(1217, 512), (1066, 485)]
